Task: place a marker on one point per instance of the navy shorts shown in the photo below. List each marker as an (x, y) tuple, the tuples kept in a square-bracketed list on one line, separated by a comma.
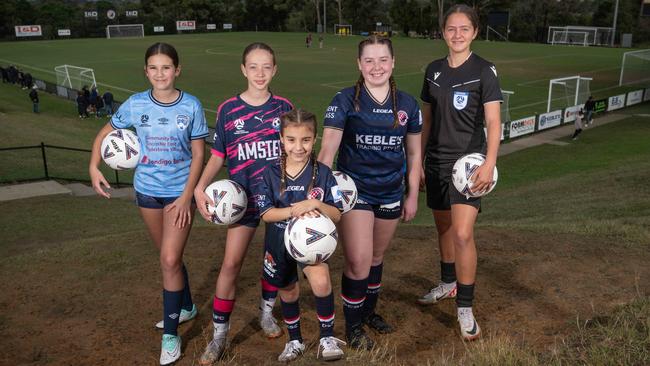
[(441, 193), (145, 201), (280, 269), (385, 211)]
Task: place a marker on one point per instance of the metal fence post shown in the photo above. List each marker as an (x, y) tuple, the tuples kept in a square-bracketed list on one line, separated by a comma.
[(47, 175), (117, 180)]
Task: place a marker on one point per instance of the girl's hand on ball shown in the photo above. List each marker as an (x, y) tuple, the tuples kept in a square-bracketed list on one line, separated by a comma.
[(202, 203), (97, 179)]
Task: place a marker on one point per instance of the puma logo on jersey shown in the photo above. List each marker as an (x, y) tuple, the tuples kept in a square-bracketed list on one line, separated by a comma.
[(259, 119), (494, 70), (435, 75)]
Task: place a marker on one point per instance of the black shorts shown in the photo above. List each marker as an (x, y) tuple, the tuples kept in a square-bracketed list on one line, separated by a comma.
[(146, 201), (441, 193), (280, 269), (386, 211)]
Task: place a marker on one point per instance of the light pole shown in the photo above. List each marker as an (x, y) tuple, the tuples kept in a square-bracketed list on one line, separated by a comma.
[(614, 25), (325, 16)]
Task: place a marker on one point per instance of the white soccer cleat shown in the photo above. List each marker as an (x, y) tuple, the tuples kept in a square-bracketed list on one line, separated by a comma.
[(292, 350), (269, 325), (440, 292), (469, 328), (213, 351), (184, 317), (170, 350), (329, 349)]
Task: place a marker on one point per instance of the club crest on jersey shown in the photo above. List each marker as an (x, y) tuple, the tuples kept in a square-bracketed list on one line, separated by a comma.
[(403, 117), (460, 100), (144, 118), (239, 124), (316, 193), (182, 121)]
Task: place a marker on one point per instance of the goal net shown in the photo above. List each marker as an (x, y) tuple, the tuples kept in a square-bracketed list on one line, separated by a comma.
[(635, 67), (342, 29), (596, 36), (74, 77), (570, 37), (125, 30), (567, 92), (505, 106)]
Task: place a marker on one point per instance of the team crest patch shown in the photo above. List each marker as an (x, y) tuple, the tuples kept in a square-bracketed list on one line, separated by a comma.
[(460, 100), (316, 193), (403, 117), (182, 121)]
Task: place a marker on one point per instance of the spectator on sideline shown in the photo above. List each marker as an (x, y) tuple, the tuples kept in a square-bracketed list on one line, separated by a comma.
[(21, 79), (5, 75), (590, 105), (13, 74), (308, 40), (29, 81), (578, 125), (108, 103), (320, 41), (82, 105), (92, 99), (99, 105), (33, 95)]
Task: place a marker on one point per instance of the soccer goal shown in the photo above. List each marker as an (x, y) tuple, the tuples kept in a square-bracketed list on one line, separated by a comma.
[(124, 30), (74, 77), (596, 36), (505, 106), (567, 92), (570, 37), (342, 29), (635, 67), (496, 36)]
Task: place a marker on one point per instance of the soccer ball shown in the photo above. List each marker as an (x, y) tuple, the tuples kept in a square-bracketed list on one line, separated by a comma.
[(310, 240), (230, 201), (348, 190), (121, 149), (463, 170)]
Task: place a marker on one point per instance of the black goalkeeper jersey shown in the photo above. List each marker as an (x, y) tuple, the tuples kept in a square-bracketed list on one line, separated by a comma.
[(457, 96)]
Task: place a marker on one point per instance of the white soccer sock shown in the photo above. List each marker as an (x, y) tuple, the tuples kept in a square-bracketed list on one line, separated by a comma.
[(266, 306), (220, 330)]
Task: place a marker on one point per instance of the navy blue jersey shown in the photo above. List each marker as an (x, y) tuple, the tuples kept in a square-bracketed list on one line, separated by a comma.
[(372, 150), (324, 189)]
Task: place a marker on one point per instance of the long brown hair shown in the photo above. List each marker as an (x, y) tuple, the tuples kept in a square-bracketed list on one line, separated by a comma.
[(375, 39), (469, 12), (297, 117)]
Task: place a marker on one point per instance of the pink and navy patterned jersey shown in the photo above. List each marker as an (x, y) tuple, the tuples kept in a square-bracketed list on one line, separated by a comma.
[(248, 138), (372, 150)]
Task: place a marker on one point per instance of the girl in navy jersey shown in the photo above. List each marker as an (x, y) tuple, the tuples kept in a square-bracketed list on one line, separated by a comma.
[(459, 92), (376, 130), (247, 139), (296, 187), (163, 191)]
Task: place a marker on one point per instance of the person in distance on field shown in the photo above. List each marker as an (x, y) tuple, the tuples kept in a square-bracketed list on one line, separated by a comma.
[(578, 125), (108, 103), (82, 105), (459, 92), (247, 139), (163, 190), (33, 95), (590, 105), (375, 128)]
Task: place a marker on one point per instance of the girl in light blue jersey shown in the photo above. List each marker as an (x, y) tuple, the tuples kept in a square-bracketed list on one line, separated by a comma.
[(171, 127)]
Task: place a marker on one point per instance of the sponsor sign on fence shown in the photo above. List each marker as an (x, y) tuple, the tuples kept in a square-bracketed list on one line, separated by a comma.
[(634, 97), (227, 25), (616, 102), (158, 28), (570, 113), (646, 96), (210, 26), (63, 32), (131, 13), (28, 31), (185, 25), (90, 14), (550, 119), (522, 126), (600, 105)]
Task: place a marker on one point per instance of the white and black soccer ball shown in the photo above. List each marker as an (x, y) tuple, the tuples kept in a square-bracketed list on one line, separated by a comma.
[(349, 193), (463, 170), (230, 201), (310, 240), (121, 149)]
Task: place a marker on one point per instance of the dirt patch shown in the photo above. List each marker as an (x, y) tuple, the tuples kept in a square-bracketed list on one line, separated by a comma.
[(99, 306)]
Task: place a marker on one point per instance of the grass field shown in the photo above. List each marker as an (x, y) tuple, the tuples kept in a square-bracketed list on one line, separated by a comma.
[(310, 77)]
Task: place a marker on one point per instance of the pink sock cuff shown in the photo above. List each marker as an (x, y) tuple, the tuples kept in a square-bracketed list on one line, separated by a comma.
[(223, 305), (267, 286)]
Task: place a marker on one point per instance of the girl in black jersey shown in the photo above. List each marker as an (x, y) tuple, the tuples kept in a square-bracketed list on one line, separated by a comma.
[(459, 92)]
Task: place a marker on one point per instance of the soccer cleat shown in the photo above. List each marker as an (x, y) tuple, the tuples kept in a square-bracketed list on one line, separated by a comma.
[(185, 316), (469, 328), (357, 338), (329, 349), (269, 325), (376, 322), (213, 351), (292, 350), (170, 350), (440, 292)]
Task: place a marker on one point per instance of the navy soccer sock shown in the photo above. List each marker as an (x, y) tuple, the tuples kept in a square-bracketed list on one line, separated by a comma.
[(465, 295), (372, 292), (447, 272), (353, 293), (291, 315), (171, 310), (325, 313)]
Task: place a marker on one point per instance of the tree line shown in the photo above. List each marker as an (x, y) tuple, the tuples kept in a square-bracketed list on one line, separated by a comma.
[(529, 19)]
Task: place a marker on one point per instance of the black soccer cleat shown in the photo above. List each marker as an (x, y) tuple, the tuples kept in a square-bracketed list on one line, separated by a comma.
[(376, 322), (358, 339)]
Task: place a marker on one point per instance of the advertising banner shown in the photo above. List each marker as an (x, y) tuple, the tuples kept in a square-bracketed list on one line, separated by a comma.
[(550, 119), (63, 32), (646, 96), (28, 31), (616, 102), (185, 25), (131, 13), (211, 26), (570, 113), (227, 25), (90, 14), (158, 28), (634, 97), (522, 126), (600, 105)]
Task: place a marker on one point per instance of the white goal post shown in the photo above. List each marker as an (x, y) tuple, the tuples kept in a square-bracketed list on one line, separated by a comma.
[(567, 92), (570, 37), (635, 67), (75, 77), (596, 36), (342, 29), (124, 30), (505, 106)]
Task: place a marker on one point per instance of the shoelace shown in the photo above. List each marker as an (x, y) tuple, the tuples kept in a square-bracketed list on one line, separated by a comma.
[(466, 318), (329, 343)]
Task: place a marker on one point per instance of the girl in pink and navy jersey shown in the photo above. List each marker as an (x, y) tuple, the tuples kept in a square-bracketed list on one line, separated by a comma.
[(247, 140)]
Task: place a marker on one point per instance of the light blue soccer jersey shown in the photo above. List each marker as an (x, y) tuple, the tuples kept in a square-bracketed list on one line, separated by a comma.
[(166, 131)]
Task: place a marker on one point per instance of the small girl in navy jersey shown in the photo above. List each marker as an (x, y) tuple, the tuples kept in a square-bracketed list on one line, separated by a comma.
[(299, 186)]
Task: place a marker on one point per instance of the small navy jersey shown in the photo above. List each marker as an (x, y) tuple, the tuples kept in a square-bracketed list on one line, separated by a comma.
[(372, 150), (457, 96), (166, 131), (248, 138)]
